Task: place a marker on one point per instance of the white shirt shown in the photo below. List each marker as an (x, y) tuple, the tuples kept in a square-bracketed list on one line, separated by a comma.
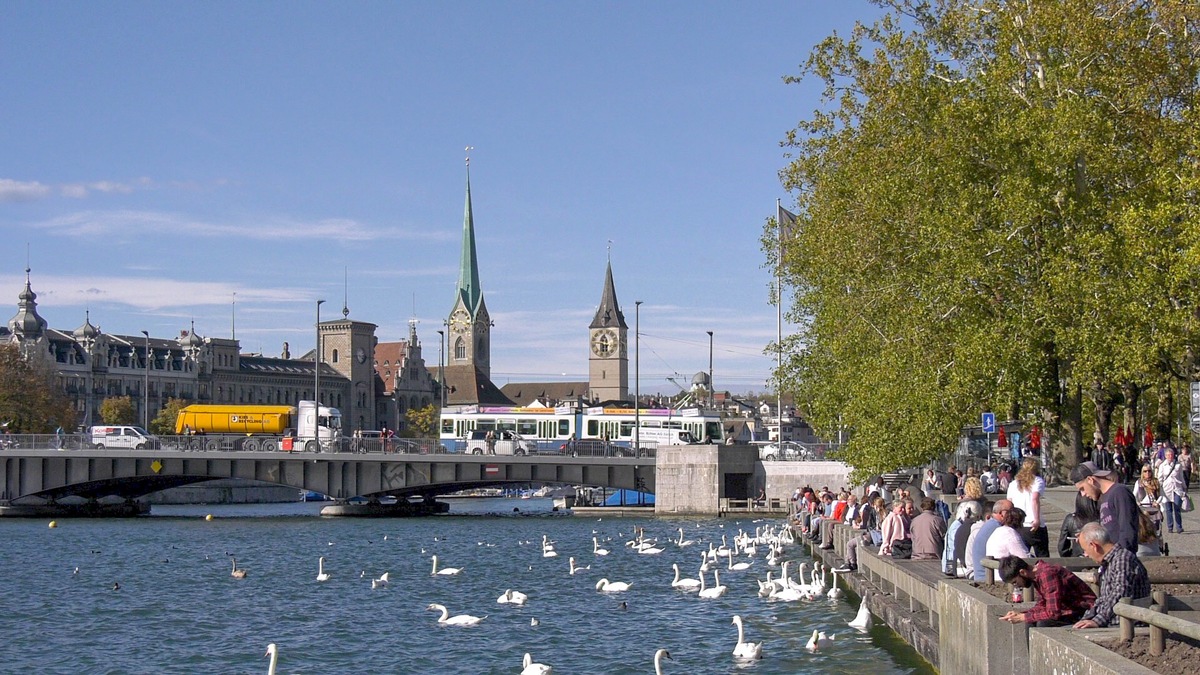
[(1005, 541), (1024, 500)]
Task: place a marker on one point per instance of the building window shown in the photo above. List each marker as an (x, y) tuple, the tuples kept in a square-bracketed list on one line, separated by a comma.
[(335, 356), (460, 349)]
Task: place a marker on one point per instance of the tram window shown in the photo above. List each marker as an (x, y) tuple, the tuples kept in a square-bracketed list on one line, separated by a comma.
[(713, 430), (447, 426), (485, 424), (564, 428), (626, 429), (593, 429), (527, 427)]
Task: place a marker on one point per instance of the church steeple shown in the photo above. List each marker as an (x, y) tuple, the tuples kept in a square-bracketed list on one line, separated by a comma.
[(608, 314), (468, 273)]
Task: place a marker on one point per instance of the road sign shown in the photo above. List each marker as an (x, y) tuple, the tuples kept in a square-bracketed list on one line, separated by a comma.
[(989, 423), (1196, 422), (1196, 397)]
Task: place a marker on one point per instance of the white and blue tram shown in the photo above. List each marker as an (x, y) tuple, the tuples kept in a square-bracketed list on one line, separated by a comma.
[(566, 423)]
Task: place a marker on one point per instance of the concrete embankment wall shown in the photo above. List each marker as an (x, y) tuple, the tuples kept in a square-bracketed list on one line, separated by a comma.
[(692, 479), (957, 627)]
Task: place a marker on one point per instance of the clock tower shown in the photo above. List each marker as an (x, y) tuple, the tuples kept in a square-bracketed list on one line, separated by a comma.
[(608, 359), (469, 339)]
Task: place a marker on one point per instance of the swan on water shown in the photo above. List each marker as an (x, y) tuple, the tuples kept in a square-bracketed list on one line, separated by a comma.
[(237, 573), (862, 622), (575, 569), (457, 620), (531, 668), (445, 571), (681, 542), (549, 552), (274, 654), (651, 550), (684, 584), (835, 591), (604, 586), (819, 642), (717, 589), (745, 650), (322, 575), (658, 657), (738, 567), (511, 597), (596, 547), (533, 621), (380, 582)]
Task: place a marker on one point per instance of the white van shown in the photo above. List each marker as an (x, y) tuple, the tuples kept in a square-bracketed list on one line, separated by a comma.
[(134, 438)]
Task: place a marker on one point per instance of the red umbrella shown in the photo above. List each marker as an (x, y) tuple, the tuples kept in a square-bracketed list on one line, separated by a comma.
[(1002, 439), (1148, 438), (1119, 439), (1035, 438)]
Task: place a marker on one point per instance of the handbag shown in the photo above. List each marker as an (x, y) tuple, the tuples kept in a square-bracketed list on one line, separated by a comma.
[(902, 549), (1186, 504)]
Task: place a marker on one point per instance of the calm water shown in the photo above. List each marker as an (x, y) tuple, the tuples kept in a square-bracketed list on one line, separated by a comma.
[(178, 609)]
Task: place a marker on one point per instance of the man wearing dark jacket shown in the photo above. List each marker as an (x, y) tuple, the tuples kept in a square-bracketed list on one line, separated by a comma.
[(1118, 509)]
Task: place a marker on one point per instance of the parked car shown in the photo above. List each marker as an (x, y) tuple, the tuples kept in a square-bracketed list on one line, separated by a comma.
[(506, 443), (594, 447), (787, 450)]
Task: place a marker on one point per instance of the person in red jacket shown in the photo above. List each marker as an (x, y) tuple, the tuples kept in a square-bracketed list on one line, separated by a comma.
[(1062, 597)]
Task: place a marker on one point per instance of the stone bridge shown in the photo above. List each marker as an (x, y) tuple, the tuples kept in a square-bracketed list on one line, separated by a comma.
[(38, 476)]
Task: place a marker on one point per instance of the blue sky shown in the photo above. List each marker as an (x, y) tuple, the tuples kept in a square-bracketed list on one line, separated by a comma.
[(158, 158)]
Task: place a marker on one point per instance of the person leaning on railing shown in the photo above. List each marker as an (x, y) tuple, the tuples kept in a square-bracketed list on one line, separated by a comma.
[(1062, 597), (1121, 575)]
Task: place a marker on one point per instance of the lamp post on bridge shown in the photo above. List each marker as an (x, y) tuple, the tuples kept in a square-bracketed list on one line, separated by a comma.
[(441, 371), (146, 387), (637, 379), (712, 391), (317, 364)]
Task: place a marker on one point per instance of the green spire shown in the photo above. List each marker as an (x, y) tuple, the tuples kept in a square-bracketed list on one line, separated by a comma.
[(468, 275)]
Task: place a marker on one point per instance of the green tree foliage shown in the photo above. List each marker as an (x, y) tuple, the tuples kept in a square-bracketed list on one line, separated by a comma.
[(164, 423), (117, 410), (423, 422), (996, 211), (30, 400)]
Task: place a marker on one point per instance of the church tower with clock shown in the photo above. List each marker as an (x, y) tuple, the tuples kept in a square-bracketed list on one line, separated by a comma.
[(468, 370), (608, 361)]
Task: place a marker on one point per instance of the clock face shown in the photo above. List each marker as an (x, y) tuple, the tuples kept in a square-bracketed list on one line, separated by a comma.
[(460, 321), (604, 343), (361, 355)]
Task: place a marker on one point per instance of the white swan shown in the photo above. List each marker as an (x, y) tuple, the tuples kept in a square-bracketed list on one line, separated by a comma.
[(446, 571), (862, 622), (681, 542), (597, 549), (717, 589), (819, 642), (237, 573), (575, 569), (786, 595), (457, 620), (321, 574), (274, 654), (531, 668), (658, 657), (651, 550), (738, 567), (381, 581), (549, 552), (745, 650), (835, 591), (511, 597), (604, 586), (684, 584)]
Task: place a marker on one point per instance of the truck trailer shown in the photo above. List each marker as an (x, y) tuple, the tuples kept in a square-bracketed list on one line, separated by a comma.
[(305, 426)]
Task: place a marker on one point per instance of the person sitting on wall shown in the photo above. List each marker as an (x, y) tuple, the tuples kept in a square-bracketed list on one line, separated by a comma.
[(1121, 575), (928, 532), (1062, 597), (977, 547)]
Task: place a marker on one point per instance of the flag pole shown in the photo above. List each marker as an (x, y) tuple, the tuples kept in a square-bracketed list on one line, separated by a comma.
[(779, 324)]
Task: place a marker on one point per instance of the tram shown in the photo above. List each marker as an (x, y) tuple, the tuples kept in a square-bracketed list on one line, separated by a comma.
[(566, 423)]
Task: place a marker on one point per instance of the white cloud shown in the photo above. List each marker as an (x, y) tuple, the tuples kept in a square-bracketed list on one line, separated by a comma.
[(148, 293), (22, 191), (81, 190), (96, 223)]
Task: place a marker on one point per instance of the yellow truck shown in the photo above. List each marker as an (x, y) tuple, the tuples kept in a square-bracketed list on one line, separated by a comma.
[(305, 426)]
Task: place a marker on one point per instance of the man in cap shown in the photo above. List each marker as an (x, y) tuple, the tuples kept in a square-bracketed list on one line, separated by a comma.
[(1118, 508)]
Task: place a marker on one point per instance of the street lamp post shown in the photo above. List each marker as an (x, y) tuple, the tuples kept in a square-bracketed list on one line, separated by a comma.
[(317, 363), (441, 369), (637, 379), (711, 390), (146, 387)]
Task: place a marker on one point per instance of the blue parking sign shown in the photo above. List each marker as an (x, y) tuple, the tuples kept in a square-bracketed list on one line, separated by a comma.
[(989, 423)]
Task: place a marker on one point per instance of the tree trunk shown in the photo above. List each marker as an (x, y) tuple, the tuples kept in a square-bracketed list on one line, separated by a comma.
[(1105, 402), (1166, 405), (1132, 393)]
